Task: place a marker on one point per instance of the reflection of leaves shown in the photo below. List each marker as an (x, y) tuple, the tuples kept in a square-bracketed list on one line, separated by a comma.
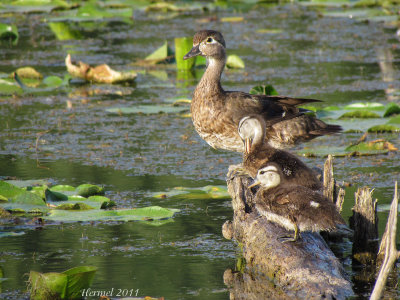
[(234, 61), (100, 74)]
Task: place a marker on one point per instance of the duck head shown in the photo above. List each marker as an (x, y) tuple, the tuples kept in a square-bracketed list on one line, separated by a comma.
[(208, 43), (251, 130), (268, 177)]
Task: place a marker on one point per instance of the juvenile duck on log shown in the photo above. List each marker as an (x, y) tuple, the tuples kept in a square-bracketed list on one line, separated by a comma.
[(216, 113), (293, 207), (258, 154)]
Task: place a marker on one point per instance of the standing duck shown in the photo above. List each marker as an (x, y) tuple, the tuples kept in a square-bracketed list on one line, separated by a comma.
[(258, 153), (294, 207), (216, 113)]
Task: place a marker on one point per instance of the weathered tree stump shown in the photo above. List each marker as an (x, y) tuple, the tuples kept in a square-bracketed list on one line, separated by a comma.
[(388, 254), (364, 222), (306, 269)]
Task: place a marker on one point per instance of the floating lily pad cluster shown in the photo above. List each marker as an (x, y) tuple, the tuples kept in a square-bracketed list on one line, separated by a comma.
[(185, 193), (64, 203), (370, 117)]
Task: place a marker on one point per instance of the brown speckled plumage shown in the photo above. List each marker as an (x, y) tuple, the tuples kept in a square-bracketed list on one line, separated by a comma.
[(252, 130), (293, 207), (216, 113)]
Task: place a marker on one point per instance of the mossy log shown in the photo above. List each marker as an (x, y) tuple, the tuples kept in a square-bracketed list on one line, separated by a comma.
[(306, 269)]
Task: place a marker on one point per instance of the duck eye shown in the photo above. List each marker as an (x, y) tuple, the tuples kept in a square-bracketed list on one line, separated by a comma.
[(209, 40), (262, 172)]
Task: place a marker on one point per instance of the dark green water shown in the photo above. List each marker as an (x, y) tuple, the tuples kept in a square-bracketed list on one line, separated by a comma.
[(332, 59)]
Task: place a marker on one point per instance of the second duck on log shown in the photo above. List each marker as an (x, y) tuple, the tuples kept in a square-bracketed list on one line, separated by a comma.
[(216, 113), (294, 207)]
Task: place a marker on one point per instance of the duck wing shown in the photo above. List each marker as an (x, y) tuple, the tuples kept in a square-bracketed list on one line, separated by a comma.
[(273, 108)]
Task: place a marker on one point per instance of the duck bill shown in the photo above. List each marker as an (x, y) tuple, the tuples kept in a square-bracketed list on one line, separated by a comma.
[(254, 184), (193, 52), (247, 146)]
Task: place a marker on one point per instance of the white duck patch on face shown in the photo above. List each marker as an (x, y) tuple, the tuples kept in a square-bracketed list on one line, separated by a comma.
[(314, 204)]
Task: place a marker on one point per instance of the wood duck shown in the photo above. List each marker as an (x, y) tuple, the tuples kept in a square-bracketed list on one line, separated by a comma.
[(293, 207), (258, 153), (216, 113)]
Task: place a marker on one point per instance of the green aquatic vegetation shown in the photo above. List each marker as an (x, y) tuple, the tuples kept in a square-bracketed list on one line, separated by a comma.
[(66, 285), (9, 33), (75, 206), (185, 193), (362, 114), (392, 109), (63, 31), (394, 120), (365, 105), (268, 90), (162, 54), (234, 62), (384, 128), (8, 88), (183, 46), (375, 147), (139, 214), (13, 194), (86, 190)]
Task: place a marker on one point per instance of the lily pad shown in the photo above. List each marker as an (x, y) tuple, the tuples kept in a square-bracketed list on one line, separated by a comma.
[(9, 88), (100, 74), (268, 90), (207, 192), (139, 214), (63, 31), (234, 62), (162, 54), (362, 149), (148, 109), (392, 109), (394, 120), (362, 114), (384, 128), (75, 206), (19, 195), (86, 190), (9, 33), (365, 105), (66, 285)]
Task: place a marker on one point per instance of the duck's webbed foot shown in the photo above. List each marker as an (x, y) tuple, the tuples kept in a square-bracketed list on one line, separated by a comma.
[(289, 238)]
